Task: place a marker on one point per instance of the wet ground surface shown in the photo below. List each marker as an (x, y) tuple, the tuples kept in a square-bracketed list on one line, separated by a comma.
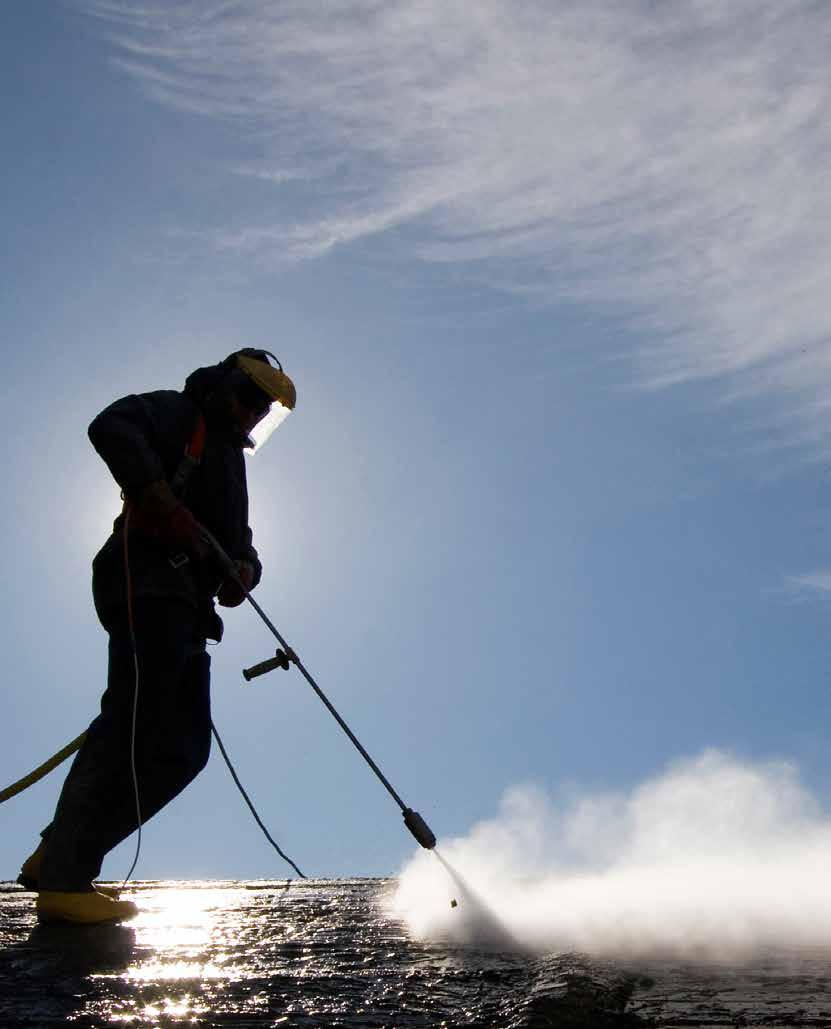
[(324, 953), (786, 988)]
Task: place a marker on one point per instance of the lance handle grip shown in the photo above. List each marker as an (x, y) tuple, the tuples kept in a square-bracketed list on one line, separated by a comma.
[(280, 660)]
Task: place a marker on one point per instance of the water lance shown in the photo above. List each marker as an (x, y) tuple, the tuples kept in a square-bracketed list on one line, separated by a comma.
[(284, 658)]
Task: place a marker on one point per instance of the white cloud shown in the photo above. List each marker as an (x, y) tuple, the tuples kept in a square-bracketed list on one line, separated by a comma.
[(818, 581), (669, 159)]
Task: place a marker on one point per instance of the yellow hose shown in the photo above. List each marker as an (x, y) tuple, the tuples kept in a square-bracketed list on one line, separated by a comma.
[(41, 770)]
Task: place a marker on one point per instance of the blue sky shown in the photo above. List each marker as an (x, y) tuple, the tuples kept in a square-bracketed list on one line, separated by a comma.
[(552, 286)]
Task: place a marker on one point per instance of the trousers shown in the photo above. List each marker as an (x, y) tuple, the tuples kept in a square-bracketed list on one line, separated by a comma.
[(168, 680)]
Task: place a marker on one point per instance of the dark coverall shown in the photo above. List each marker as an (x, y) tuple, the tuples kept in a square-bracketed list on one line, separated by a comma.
[(142, 439)]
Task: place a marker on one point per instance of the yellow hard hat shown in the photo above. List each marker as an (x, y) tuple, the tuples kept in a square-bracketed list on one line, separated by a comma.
[(272, 381)]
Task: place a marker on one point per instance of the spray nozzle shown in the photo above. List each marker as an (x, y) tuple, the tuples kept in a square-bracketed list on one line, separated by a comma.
[(419, 828)]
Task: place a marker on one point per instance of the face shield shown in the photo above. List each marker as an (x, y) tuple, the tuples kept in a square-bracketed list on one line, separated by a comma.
[(264, 385), (262, 431)]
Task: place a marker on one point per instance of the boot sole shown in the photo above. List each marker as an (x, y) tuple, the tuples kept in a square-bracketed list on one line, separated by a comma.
[(79, 923), (57, 914)]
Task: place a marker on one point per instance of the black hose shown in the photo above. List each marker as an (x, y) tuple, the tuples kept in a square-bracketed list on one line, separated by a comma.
[(251, 807)]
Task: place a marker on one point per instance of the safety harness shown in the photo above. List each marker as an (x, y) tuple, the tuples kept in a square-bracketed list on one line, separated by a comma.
[(192, 457)]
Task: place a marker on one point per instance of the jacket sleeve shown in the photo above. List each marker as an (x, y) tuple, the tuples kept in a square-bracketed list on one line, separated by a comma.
[(247, 551), (133, 436), (249, 554)]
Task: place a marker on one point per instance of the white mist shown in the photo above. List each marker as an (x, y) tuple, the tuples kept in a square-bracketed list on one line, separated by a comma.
[(716, 857)]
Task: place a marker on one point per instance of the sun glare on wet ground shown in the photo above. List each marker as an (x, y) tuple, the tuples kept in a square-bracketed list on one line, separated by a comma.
[(177, 926)]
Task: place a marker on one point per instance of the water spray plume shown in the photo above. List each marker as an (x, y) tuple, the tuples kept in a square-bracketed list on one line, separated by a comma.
[(715, 857), (479, 922)]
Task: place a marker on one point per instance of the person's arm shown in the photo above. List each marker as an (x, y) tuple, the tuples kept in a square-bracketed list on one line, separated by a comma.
[(251, 558), (249, 567), (127, 437), (130, 436)]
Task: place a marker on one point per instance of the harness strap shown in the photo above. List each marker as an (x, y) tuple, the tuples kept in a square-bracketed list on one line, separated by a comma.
[(191, 458)]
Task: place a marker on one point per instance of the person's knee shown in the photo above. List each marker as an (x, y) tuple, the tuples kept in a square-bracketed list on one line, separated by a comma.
[(194, 756), (201, 753), (198, 710)]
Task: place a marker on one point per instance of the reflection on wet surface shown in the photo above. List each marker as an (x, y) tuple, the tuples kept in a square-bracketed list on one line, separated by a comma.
[(789, 988), (324, 953)]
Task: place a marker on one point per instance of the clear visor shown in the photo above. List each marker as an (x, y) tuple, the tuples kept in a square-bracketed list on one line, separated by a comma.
[(262, 431)]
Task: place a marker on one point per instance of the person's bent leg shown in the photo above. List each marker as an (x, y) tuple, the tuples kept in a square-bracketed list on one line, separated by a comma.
[(97, 808), (174, 747)]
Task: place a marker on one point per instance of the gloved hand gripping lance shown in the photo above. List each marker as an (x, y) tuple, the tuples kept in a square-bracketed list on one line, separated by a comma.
[(286, 657)]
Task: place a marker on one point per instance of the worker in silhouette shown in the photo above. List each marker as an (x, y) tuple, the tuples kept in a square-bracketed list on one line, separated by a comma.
[(178, 460)]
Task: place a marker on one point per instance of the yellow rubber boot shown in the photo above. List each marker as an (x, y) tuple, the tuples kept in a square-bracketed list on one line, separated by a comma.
[(90, 908), (30, 869), (29, 877), (113, 892)]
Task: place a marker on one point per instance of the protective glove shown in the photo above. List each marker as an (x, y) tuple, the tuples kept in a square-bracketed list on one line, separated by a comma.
[(160, 514), (230, 594), (181, 531)]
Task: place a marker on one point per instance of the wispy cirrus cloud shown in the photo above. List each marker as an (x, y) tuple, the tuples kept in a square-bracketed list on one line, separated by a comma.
[(818, 581), (667, 159)]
